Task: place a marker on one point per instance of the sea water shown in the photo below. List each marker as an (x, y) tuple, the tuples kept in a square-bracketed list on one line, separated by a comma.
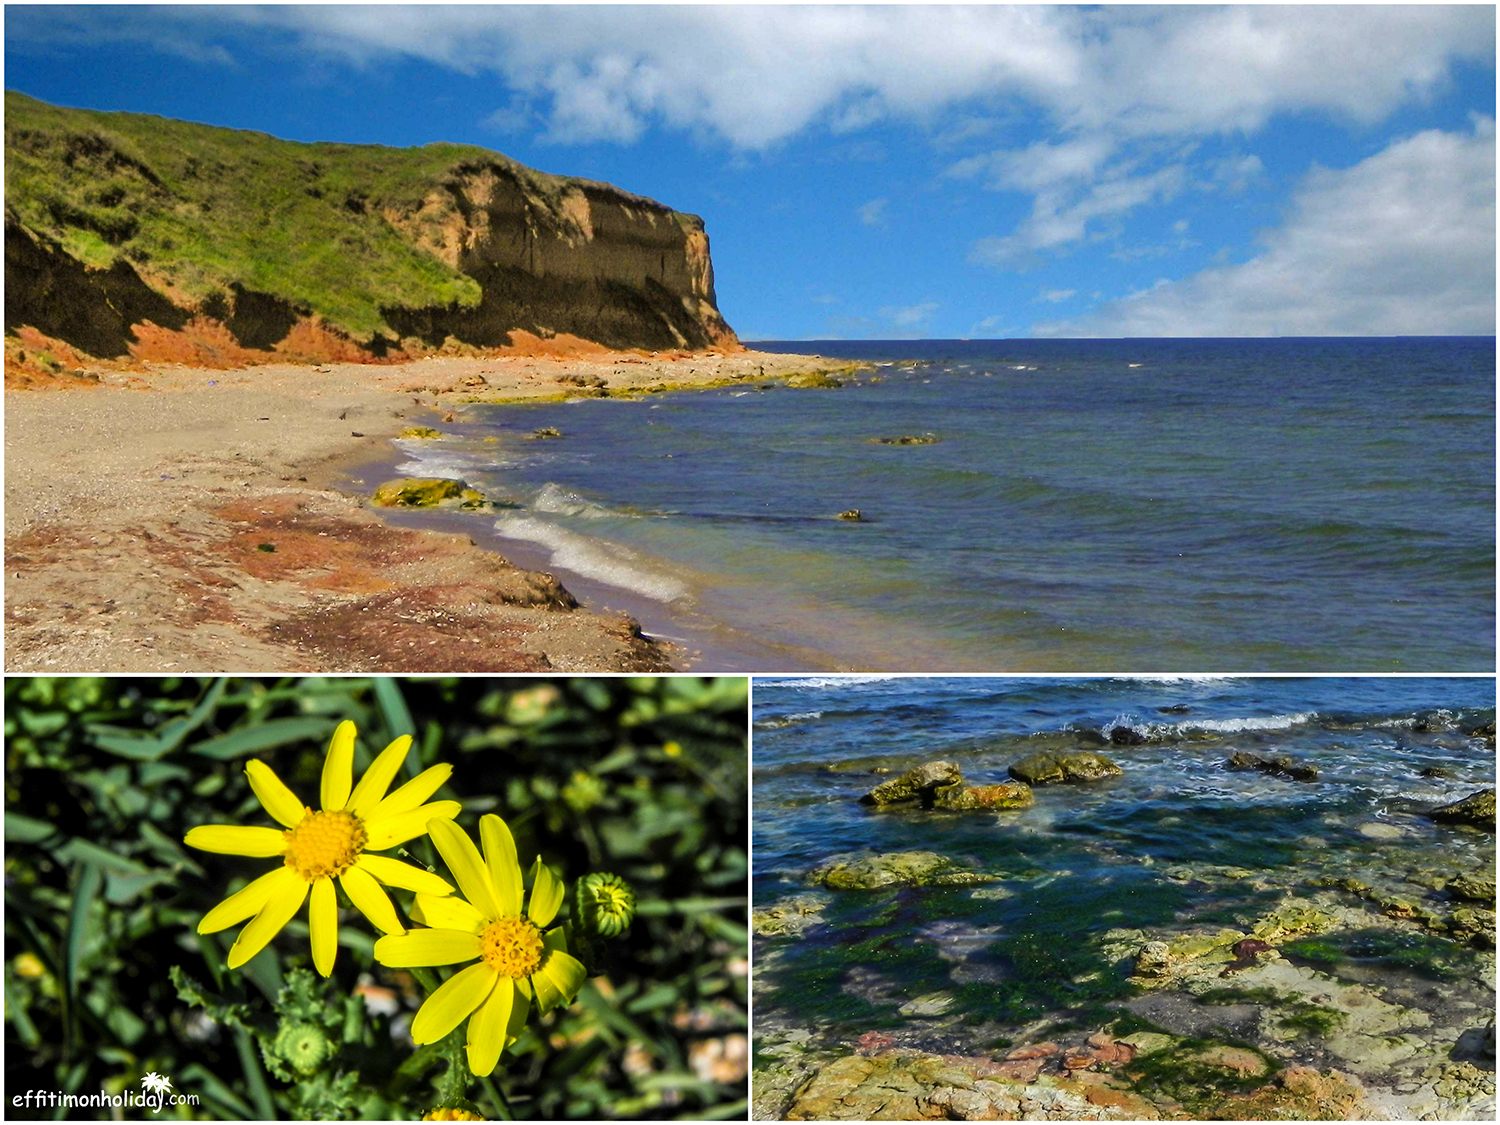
[(1215, 505), (1178, 843)]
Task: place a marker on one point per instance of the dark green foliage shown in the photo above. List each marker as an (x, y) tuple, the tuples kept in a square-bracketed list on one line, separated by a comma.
[(108, 980)]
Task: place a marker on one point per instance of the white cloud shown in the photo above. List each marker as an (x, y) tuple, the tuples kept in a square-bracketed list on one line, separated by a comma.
[(872, 214), (1062, 214), (909, 317), (1403, 243), (1056, 296), (755, 76)]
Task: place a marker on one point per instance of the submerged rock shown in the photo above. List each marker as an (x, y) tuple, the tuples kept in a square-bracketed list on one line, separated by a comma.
[(1281, 765), (895, 869), (908, 439), (422, 492), (1006, 795), (1049, 767), (852, 514), (788, 916), (1477, 809), (917, 784), (1475, 886)]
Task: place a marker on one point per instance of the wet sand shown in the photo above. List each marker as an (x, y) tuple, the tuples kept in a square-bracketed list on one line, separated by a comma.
[(180, 519)]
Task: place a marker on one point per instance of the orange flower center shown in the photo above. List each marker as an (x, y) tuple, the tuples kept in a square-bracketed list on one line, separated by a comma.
[(325, 844), (511, 946)]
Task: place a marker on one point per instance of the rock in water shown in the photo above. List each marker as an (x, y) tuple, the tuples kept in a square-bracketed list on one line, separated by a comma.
[(915, 785), (1006, 795), (894, 869), (1477, 809), (1281, 765), (419, 492), (1048, 768)]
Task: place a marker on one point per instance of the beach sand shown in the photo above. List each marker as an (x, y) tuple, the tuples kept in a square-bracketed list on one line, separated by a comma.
[(178, 519)]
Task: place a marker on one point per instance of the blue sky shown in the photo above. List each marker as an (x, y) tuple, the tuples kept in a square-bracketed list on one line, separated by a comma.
[(912, 171)]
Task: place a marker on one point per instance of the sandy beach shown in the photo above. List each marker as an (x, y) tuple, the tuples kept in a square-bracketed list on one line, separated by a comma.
[(177, 519)]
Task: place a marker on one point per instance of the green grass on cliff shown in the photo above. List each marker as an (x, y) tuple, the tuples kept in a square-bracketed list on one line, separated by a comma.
[(198, 208)]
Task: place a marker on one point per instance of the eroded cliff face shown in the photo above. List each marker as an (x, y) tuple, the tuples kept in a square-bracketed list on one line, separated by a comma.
[(567, 256), (129, 236)]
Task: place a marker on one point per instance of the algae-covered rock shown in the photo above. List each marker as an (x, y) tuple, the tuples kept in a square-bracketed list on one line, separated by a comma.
[(1279, 765), (1006, 795), (788, 917), (894, 869), (419, 492), (908, 439), (916, 784), (853, 515), (1473, 886), (1049, 767), (421, 432), (1477, 809), (544, 433)]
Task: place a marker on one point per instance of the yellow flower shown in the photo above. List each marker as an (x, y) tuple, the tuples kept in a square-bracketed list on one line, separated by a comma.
[(517, 960), (318, 847)]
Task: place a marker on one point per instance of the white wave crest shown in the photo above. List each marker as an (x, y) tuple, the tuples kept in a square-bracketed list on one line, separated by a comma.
[(609, 563), (829, 681), (557, 500)]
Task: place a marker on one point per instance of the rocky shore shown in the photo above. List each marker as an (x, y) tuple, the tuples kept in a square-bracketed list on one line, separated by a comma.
[(168, 518), (1356, 990)]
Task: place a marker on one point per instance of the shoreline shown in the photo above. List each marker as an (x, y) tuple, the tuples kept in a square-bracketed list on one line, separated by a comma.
[(215, 535)]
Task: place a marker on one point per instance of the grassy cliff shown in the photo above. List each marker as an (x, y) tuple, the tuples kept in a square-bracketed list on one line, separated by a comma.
[(209, 218)]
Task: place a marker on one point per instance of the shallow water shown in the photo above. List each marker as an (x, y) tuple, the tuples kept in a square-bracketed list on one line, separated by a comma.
[(1089, 505), (1178, 843)]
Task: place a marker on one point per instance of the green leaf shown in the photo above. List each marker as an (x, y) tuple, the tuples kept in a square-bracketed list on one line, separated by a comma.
[(255, 1078), (266, 736), (85, 851), (84, 892), (197, 1077), (25, 830), (145, 748)]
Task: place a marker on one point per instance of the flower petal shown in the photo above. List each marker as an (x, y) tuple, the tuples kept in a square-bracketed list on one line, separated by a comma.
[(468, 869), (446, 1008), (561, 969), (408, 826), (323, 922), (277, 912), (487, 1038), (447, 913), (247, 902), (519, 1011), (365, 893), (235, 839), (425, 948), (546, 894), (505, 868), (413, 793), (371, 788), (338, 768), (278, 800), (394, 873)]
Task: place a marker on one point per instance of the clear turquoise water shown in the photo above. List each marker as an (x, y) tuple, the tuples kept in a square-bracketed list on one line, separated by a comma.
[(1132, 505), (1085, 859)]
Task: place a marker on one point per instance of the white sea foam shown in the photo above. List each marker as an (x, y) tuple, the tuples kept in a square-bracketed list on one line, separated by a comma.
[(609, 563), (830, 681), (1269, 722), (429, 460), (557, 500)]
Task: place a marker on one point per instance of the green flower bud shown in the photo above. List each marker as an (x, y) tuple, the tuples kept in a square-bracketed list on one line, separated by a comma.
[(304, 1046), (603, 904)]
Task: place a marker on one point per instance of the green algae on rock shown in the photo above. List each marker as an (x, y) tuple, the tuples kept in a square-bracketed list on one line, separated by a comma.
[(1051, 767), (894, 869), (426, 492), (421, 432), (1477, 809), (1005, 795), (789, 916), (916, 784)]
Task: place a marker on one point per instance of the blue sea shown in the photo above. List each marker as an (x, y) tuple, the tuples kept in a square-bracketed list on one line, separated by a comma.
[(1178, 843), (1086, 505)]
